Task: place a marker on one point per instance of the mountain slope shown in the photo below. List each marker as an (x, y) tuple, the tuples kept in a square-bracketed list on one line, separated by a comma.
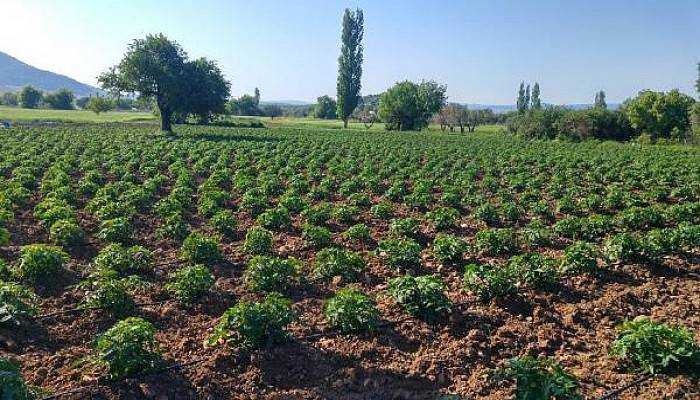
[(15, 74)]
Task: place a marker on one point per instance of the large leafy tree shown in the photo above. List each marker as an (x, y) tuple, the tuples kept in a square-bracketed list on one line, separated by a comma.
[(207, 90), (245, 105), (600, 101), (30, 97), (62, 99), (659, 114), (410, 106), (350, 64), (325, 108)]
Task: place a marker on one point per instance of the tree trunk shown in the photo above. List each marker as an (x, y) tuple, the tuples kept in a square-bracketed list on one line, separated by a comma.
[(345, 123), (165, 124), (461, 128)]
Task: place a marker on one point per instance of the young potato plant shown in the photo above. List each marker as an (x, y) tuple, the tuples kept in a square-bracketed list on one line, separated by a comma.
[(653, 346), (316, 237), (274, 219), (123, 260), (41, 263), (538, 379), (497, 242), (117, 230), (580, 258), (255, 325), (190, 283), (488, 282), (358, 233), (405, 227), (199, 248), (16, 303), (332, 262), (128, 348), (224, 222), (402, 254), (449, 249), (65, 233), (351, 311), (535, 269), (443, 219), (106, 290), (12, 384), (423, 297), (272, 274), (258, 241)]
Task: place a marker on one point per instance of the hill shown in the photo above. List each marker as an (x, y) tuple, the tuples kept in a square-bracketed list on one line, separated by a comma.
[(14, 74)]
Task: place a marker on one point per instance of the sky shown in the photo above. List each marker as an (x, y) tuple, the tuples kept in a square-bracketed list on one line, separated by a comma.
[(480, 49)]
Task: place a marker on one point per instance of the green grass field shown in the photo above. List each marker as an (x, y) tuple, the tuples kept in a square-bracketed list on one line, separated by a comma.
[(15, 114)]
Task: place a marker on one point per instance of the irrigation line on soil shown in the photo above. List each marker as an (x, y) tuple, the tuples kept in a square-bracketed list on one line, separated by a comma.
[(81, 309), (612, 394)]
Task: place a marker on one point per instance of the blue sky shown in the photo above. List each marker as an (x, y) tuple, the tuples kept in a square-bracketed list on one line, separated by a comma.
[(480, 49)]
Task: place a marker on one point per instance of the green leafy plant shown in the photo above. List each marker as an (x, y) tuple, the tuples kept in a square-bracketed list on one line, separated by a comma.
[(12, 385), (653, 346), (443, 218), (258, 241), (405, 227), (449, 249), (580, 257), (122, 259), (350, 310), (66, 233), (488, 281), (622, 248), (382, 210), (316, 236), (128, 348), (199, 248), (535, 269), (255, 325), (276, 218), (106, 290), (497, 241), (358, 233), (400, 253), (190, 283), (115, 230), (423, 297), (224, 222), (331, 262), (16, 303), (41, 263), (272, 274), (539, 379)]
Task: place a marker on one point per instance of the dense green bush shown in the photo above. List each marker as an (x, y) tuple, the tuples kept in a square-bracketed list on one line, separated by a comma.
[(115, 230), (538, 379), (12, 385), (258, 241), (358, 233), (423, 297), (275, 219), (41, 263), (224, 222), (350, 310), (400, 253), (449, 249), (331, 262), (654, 346), (122, 259), (254, 325), (65, 233), (316, 237), (272, 274), (190, 283), (128, 348), (16, 303), (199, 248)]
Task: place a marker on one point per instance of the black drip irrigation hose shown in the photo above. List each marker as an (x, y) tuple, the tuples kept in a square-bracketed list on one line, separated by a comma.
[(614, 393), (82, 309)]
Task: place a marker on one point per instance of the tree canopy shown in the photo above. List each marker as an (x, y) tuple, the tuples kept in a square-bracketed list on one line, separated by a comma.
[(325, 108), (350, 64), (158, 68), (29, 97), (410, 106), (62, 99), (660, 114)]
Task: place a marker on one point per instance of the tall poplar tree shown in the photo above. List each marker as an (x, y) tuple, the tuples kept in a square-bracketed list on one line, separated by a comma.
[(520, 104), (350, 64), (536, 102)]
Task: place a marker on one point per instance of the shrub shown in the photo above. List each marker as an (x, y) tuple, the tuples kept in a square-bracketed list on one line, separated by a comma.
[(66, 233), (272, 274), (539, 379), (535, 269), (654, 346), (443, 218), (4, 236), (276, 218), (189, 283), (358, 233), (580, 257), (122, 259), (128, 348), (448, 248), (400, 253), (224, 222), (16, 302), (488, 281), (623, 247), (254, 325), (115, 230), (352, 311), (333, 262), (382, 210), (258, 241), (423, 297), (200, 249), (497, 241), (12, 385), (41, 263), (316, 236)]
